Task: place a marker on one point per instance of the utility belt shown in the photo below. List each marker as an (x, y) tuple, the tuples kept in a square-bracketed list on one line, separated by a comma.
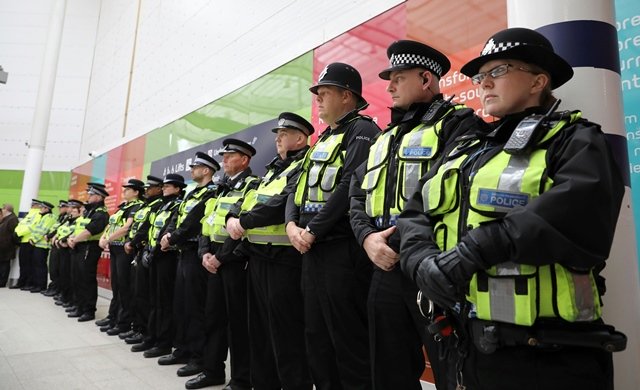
[(489, 335), (117, 243)]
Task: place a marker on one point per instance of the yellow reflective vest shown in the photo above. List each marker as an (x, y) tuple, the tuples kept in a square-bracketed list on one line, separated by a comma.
[(216, 209), (508, 292), (159, 219), (116, 220), (84, 220), (270, 185), (40, 229), (22, 229)]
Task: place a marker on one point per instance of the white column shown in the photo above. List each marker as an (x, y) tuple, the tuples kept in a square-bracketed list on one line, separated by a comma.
[(583, 32), (39, 129)]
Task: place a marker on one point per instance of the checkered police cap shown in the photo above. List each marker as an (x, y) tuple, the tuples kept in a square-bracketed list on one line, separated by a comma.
[(407, 54)]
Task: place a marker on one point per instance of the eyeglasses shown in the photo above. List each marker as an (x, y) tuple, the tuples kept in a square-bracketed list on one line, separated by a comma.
[(498, 71)]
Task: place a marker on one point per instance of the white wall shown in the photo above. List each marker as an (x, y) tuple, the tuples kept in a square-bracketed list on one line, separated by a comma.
[(189, 53), (23, 33)]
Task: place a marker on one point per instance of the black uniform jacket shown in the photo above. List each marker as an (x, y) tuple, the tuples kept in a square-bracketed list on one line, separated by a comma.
[(572, 223), (361, 223), (190, 227), (142, 235), (332, 221), (99, 219), (224, 252)]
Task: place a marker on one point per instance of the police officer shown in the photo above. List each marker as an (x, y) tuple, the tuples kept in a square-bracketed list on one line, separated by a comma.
[(226, 306), (25, 250), (276, 319), (86, 251), (40, 243), (421, 122), (335, 270), (54, 252), (162, 269), (191, 279), (510, 231), (137, 239), (63, 232), (113, 239)]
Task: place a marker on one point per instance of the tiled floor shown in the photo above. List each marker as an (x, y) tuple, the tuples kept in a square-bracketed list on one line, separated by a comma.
[(40, 348)]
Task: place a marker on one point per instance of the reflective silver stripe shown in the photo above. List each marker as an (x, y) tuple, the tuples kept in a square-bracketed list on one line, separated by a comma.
[(266, 239), (411, 178), (585, 304), (502, 293), (328, 181), (220, 237), (511, 177), (312, 182)]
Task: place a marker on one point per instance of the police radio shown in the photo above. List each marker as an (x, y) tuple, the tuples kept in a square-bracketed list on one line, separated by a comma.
[(528, 132), (436, 110)]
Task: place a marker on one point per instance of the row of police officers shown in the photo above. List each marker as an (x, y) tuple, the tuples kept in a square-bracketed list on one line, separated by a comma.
[(309, 275)]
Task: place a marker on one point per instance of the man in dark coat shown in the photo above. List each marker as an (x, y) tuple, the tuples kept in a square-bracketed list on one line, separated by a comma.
[(8, 247)]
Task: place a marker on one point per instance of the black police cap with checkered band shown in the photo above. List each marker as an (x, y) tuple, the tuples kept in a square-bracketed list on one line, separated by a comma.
[(525, 45), (406, 54)]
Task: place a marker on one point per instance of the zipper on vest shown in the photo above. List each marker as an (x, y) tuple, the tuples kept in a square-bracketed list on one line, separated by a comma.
[(470, 165), (391, 170)]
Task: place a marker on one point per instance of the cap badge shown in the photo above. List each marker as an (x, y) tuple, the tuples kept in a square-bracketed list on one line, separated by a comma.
[(323, 73), (281, 122), (489, 47)]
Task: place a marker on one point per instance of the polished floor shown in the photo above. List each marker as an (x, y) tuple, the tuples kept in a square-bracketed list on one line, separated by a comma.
[(42, 349)]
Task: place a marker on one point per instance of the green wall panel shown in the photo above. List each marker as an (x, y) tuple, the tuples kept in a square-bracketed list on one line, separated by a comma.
[(53, 186), (284, 89)]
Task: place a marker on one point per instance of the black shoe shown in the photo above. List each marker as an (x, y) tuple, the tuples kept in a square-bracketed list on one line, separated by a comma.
[(74, 314), (67, 305), (143, 346), (87, 317), (50, 293), (17, 286), (70, 309), (26, 288), (235, 387), (35, 290), (190, 369), (126, 334), (157, 352), (172, 359), (59, 303), (203, 380), (114, 331), (105, 328), (103, 322), (135, 339)]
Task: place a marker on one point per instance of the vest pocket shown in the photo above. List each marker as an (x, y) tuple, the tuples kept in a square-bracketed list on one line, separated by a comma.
[(507, 292), (576, 295), (440, 193)]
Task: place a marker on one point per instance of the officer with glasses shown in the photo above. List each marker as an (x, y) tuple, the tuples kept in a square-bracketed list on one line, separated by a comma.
[(510, 232)]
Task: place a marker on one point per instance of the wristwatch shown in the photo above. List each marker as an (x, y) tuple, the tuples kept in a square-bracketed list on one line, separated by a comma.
[(308, 230)]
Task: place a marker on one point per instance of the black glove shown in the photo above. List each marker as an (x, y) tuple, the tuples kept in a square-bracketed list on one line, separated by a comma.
[(146, 258), (444, 278)]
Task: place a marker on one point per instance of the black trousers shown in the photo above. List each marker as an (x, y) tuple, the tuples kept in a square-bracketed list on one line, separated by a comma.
[(397, 333), (189, 303), (5, 269), (216, 328), (26, 265), (54, 267), (335, 282), (121, 284), (140, 306), (276, 323), (162, 278), (86, 257), (234, 283), (39, 267), (534, 368), (64, 277)]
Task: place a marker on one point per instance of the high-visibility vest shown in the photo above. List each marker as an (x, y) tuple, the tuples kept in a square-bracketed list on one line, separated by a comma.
[(508, 292), (116, 220), (271, 185), (191, 200), (40, 229), (22, 229), (413, 155), (322, 172), (216, 209), (158, 219), (84, 220), (141, 216)]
